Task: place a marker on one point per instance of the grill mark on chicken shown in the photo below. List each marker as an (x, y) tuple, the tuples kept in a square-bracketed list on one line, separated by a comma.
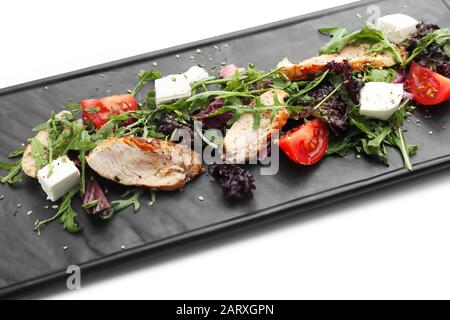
[(357, 56), (151, 163)]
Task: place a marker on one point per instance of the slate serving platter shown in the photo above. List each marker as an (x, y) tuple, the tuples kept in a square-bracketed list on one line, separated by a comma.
[(28, 260)]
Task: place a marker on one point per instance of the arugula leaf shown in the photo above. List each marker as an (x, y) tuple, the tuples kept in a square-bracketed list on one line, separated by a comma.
[(368, 34), (441, 37), (65, 214), (372, 137), (257, 114), (341, 146), (68, 220), (150, 101), (91, 204), (84, 136), (14, 172), (53, 135), (92, 110), (144, 78), (308, 87), (379, 75), (38, 153), (398, 139), (133, 200), (447, 49), (336, 33), (246, 80), (17, 153), (8, 165), (203, 96)]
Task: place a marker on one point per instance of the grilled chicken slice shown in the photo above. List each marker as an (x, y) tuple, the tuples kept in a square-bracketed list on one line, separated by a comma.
[(151, 163), (28, 164), (242, 142), (357, 56)]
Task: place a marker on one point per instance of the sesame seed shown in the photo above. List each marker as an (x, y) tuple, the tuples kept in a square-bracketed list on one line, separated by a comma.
[(430, 133), (198, 51), (216, 47), (129, 91), (29, 213), (65, 248), (191, 57), (101, 75), (177, 56), (46, 206), (55, 206), (122, 247), (226, 45), (155, 64), (19, 205), (358, 156), (201, 198), (2, 196), (359, 16)]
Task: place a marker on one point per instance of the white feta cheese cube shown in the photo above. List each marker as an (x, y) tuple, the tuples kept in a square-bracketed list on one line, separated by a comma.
[(380, 100), (64, 176), (173, 87), (397, 27), (196, 73)]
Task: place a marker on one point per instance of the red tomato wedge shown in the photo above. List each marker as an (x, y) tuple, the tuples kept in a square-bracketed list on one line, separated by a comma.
[(306, 144), (97, 111), (428, 87)]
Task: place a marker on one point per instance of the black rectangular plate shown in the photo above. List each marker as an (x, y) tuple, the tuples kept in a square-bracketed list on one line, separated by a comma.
[(27, 260)]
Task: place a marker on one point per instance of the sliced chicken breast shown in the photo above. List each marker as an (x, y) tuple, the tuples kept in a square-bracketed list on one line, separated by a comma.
[(358, 57), (242, 142), (151, 163), (28, 164)]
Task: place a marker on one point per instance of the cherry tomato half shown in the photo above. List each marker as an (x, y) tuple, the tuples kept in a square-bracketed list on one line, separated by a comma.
[(428, 87), (306, 144), (97, 111)]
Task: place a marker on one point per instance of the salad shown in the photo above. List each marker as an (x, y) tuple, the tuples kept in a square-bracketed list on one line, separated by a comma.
[(354, 95)]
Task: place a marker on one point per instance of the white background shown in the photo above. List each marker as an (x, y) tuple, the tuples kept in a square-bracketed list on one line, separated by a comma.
[(393, 243)]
